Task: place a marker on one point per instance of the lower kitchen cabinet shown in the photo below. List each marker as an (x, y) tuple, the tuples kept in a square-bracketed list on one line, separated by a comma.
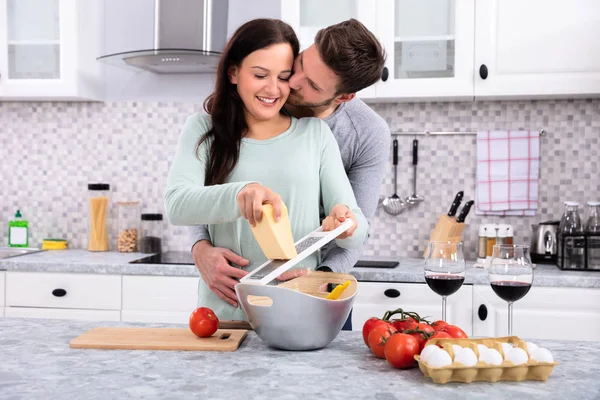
[(63, 295), (168, 299), (373, 299), (544, 313), (2, 274)]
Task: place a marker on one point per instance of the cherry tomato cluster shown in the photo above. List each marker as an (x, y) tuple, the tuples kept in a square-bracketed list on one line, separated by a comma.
[(398, 340)]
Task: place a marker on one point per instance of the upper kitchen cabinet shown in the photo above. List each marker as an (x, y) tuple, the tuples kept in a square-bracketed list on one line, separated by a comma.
[(429, 47), (307, 17), (537, 48), (48, 49)]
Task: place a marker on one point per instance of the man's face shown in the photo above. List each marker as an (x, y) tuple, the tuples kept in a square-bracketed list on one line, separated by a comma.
[(313, 83)]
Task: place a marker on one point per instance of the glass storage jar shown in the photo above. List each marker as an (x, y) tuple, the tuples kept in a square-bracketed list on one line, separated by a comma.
[(98, 199), (151, 240), (128, 226)]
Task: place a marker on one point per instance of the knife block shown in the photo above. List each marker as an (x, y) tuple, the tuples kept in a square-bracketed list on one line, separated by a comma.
[(446, 230)]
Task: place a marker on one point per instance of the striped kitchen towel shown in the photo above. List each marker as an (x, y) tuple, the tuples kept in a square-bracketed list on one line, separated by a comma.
[(508, 164)]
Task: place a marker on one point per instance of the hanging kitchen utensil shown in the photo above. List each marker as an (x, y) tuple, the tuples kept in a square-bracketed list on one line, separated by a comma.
[(394, 204), (414, 198)]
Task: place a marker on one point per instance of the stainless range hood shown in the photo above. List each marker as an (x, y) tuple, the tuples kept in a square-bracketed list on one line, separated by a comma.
[(189, 36)]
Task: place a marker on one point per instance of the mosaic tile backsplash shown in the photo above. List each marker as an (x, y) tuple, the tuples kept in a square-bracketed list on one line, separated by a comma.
[(51, 151)]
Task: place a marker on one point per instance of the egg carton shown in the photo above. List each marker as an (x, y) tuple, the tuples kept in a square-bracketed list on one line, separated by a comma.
[(482, 372)]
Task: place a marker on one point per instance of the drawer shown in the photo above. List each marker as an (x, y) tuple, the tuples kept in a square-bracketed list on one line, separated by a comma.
[(48, 290), (63, 313), (2, 275), (160, 293)]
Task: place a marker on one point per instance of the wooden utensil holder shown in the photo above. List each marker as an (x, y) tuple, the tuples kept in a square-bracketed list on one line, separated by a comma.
[(446, 230)]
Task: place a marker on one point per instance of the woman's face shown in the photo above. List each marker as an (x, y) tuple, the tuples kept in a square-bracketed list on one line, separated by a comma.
[(262, 80)]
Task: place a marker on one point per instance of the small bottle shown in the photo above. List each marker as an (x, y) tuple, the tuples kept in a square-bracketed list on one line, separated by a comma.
[(152, 230), (491, 232), (510, 234), (501, 238), (18, 231), (592, 232), (482, 246), (128, 226), (571, 240)]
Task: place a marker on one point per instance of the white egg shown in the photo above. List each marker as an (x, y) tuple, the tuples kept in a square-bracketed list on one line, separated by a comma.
[(482, 348), (516, 356), (439, 359), (456, 348), (542, 355), (466, 356), (531, 347), (491, 356), (428, 351), (505, 348)]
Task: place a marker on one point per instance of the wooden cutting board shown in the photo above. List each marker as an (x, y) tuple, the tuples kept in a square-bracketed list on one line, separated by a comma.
[(158, 339)]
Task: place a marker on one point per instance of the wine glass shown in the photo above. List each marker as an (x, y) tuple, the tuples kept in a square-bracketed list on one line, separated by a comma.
[(511, 275), (444, 269)]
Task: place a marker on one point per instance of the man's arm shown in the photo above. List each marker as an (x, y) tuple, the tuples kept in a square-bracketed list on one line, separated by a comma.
[(365, 175), (198, 233)]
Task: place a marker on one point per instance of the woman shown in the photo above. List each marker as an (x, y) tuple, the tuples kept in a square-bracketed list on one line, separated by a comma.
[(246, 153)]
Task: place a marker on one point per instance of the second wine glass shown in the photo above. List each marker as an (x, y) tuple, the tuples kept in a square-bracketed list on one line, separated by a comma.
[(444, 269)]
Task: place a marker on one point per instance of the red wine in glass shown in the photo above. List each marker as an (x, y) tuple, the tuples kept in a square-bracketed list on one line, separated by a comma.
[(444, 284), (511, 290)]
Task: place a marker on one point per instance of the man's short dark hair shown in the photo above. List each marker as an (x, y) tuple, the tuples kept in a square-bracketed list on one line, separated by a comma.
[(353, 53)]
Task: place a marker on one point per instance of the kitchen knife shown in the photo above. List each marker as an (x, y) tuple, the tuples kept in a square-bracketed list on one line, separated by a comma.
[(465, 211), (234, 324), (455, 204)]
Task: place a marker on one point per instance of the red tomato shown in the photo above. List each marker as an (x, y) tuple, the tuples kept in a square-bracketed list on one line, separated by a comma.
[(422, 326), (400, 350), (404, 324), (377, 338), (438, 335), (439, 324), (368, 327), (203, 322), (455, 332)]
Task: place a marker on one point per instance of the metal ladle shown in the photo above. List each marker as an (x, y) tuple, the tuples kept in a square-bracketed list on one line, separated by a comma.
[(414, 198), (394, 204)]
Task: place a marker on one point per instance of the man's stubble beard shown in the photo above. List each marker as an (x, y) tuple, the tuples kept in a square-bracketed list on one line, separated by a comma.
[(296, 100)]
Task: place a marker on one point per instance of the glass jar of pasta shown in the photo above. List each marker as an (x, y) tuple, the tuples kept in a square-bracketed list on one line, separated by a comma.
[(98, 199), (128, 226)]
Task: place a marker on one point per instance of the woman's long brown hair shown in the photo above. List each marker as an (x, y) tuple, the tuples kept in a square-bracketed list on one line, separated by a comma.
[(225, 106)]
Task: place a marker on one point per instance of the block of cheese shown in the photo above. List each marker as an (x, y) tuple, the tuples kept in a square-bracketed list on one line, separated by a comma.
[(275, 238)]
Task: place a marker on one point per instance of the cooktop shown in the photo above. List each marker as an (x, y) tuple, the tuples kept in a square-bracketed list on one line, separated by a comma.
[(185, 257)]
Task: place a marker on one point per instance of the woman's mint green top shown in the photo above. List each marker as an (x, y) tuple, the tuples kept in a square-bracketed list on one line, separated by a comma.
[(302, 164)]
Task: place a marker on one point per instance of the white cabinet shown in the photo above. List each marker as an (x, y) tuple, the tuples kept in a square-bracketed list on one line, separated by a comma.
[(544, 313), (429, 47), (307, 17), (167, 299), (58, 295), (48, 49), (373, 299), (2, 274), (537, 48)]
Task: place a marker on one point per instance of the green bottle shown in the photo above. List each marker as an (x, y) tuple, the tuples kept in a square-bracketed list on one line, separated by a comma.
[(18, 231)]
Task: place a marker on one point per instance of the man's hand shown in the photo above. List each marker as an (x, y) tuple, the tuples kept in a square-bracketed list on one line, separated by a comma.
[(252, 197), (339, 213), (221, 278), (294, 273)]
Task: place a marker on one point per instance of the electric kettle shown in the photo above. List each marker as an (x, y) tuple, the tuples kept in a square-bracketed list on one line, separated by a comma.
[(544, 242)]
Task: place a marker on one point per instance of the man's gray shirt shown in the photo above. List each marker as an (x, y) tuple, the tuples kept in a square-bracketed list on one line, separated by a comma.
[(364, 141)]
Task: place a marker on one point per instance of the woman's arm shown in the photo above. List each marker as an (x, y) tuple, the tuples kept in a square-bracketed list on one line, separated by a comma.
[(336, 188), (187, 200)]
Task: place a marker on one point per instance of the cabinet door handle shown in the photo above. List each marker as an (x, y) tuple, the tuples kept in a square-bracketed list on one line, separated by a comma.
[(482, 313), (59, 292), (483, 71), (385, 74), (393, 293)]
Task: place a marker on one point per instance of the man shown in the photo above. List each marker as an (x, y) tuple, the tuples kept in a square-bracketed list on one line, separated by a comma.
[(344, 59)]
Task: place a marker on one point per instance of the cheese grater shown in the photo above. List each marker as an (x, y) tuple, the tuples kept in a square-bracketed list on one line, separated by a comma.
[(310, 243)]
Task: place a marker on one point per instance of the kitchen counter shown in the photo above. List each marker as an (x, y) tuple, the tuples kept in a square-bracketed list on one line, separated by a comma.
[(409, 270), (38, 363)]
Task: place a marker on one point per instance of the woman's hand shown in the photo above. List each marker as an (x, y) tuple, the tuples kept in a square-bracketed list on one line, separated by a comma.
[(252, 197), (339, 213)]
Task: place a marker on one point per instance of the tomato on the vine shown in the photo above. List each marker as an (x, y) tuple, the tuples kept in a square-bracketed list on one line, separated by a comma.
[(203, 322), (439, 324), (378, 337), (400, 350), (369, 325), (404, 324), (455, 332)]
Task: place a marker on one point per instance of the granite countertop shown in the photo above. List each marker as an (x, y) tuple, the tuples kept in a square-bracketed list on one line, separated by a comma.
[(409, 270), (38, 363)]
